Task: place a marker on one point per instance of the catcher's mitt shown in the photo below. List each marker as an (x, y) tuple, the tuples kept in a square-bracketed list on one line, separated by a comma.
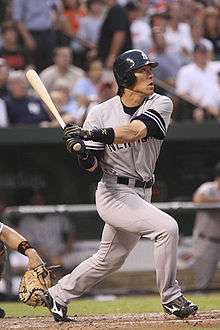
[(34, 283)]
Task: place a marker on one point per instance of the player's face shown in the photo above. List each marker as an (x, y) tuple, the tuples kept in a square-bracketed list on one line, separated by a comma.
[(144, 81)]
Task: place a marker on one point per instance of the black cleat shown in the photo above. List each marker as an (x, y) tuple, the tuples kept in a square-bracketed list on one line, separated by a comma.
[(58, 311), (180, 307), (2, 313)]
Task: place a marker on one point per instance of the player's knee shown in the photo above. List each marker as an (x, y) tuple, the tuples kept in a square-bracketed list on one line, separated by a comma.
[(112, 262), (172, 228)]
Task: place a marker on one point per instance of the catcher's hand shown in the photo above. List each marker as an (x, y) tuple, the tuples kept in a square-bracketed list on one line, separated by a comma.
[(34, 283)]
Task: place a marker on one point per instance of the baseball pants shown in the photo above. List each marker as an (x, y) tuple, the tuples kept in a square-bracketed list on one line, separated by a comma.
[(128, 215)]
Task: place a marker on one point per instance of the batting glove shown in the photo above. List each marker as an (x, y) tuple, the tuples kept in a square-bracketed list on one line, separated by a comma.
[(76, 146)]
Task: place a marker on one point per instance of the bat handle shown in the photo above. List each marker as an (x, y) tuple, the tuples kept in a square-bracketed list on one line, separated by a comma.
[(77, 147)]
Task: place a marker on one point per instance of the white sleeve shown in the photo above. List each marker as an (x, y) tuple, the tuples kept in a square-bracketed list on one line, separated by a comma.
[(205, 189), (182, 82), (164, 107), (92, 122), (3, 114)]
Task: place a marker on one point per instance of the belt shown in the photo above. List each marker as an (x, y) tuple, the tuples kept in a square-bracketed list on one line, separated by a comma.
[(137, 183), (209, 238)]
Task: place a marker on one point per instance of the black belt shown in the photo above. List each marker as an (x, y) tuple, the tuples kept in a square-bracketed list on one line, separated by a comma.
[(209, 238), (137, 183)]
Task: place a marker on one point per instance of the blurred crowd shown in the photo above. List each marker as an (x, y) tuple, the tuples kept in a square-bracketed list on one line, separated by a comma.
[(72, 44)]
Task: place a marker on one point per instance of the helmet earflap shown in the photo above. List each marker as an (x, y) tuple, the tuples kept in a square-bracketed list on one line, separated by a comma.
[(129, 79)]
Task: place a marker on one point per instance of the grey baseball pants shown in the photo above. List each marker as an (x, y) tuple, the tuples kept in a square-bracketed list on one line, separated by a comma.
[(128, 215)]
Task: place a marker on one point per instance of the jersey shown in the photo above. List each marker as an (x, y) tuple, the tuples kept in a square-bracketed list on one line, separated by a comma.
[(135, 160)]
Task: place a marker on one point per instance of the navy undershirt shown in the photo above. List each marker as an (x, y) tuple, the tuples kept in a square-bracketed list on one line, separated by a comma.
[(131, 110)]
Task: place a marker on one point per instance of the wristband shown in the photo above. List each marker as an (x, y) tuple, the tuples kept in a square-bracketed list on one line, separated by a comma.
[(23, 246), (104, 135), (86, 161)]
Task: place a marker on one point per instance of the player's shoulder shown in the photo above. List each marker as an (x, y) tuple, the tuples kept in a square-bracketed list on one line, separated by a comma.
[(104, 106), (205, 186), (161, 101)]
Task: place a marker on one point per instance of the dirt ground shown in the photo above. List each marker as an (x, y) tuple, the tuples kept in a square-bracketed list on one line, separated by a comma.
[(129, 321)]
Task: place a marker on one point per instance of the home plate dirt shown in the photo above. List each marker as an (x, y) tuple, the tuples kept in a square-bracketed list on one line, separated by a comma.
[(209, 319)]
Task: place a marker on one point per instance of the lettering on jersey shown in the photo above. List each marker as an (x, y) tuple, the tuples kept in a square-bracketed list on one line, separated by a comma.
[(116, 147)]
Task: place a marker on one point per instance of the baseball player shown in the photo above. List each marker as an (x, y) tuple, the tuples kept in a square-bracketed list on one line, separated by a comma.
[(15, 241), (206, 232), (124, 135)]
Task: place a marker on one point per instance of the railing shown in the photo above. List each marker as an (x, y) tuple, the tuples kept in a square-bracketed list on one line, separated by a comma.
[(90, 209), (81, 208)]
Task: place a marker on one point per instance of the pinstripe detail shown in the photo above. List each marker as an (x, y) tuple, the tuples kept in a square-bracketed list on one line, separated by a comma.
[(158, 119), (95, 147)]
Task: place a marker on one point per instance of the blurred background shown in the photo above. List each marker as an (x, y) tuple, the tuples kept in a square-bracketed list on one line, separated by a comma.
[(72, 45)]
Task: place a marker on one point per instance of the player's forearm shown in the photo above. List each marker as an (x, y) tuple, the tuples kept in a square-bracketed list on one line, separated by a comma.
[(11, 238), (129, 133)]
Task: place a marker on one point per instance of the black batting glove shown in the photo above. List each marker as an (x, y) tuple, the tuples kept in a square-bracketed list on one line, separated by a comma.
[(77, 147), (75, 131), (104, 135)]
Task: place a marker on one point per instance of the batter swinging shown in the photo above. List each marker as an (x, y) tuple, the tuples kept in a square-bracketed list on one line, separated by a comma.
[(124, 135)]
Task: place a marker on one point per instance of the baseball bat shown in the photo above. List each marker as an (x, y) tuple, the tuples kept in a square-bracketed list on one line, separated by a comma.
[(41, 90)]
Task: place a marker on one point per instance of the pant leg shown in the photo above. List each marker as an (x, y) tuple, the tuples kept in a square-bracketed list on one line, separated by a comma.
[(114, 248), (126, 210)]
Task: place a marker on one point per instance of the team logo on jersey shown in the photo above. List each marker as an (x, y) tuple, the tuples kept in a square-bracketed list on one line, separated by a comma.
[(131, 62)]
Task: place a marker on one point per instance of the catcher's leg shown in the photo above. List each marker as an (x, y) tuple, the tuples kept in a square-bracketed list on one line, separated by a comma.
[(2, 264)]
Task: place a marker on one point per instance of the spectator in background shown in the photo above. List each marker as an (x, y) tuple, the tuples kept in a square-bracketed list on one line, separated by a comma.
[(61, 70), (35, 22), (3, 114), (159, 21), (23, 109), (196, 37), (140, 29), (206, 232), (53, 235), (90, 26), (176, 31), (170, 62), (115, 35), (106, 91), (4, 73), (61, 101), (196, 80), (212, 28), (86, 88), (10, 50)]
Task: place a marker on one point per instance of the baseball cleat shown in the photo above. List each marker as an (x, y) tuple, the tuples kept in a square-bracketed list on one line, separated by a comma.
[(2, 313), (58, 311), (180, 307)]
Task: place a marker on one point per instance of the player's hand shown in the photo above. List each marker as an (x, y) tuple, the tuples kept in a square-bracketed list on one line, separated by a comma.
[(76, 146), (75, 131), (34, 258)]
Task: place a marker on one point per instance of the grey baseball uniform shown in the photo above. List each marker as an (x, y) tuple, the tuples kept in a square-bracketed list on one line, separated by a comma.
[(124, 205), (206, 238)]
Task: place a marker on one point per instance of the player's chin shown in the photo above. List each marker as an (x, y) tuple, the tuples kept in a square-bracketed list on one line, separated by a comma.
[(149, 90)]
